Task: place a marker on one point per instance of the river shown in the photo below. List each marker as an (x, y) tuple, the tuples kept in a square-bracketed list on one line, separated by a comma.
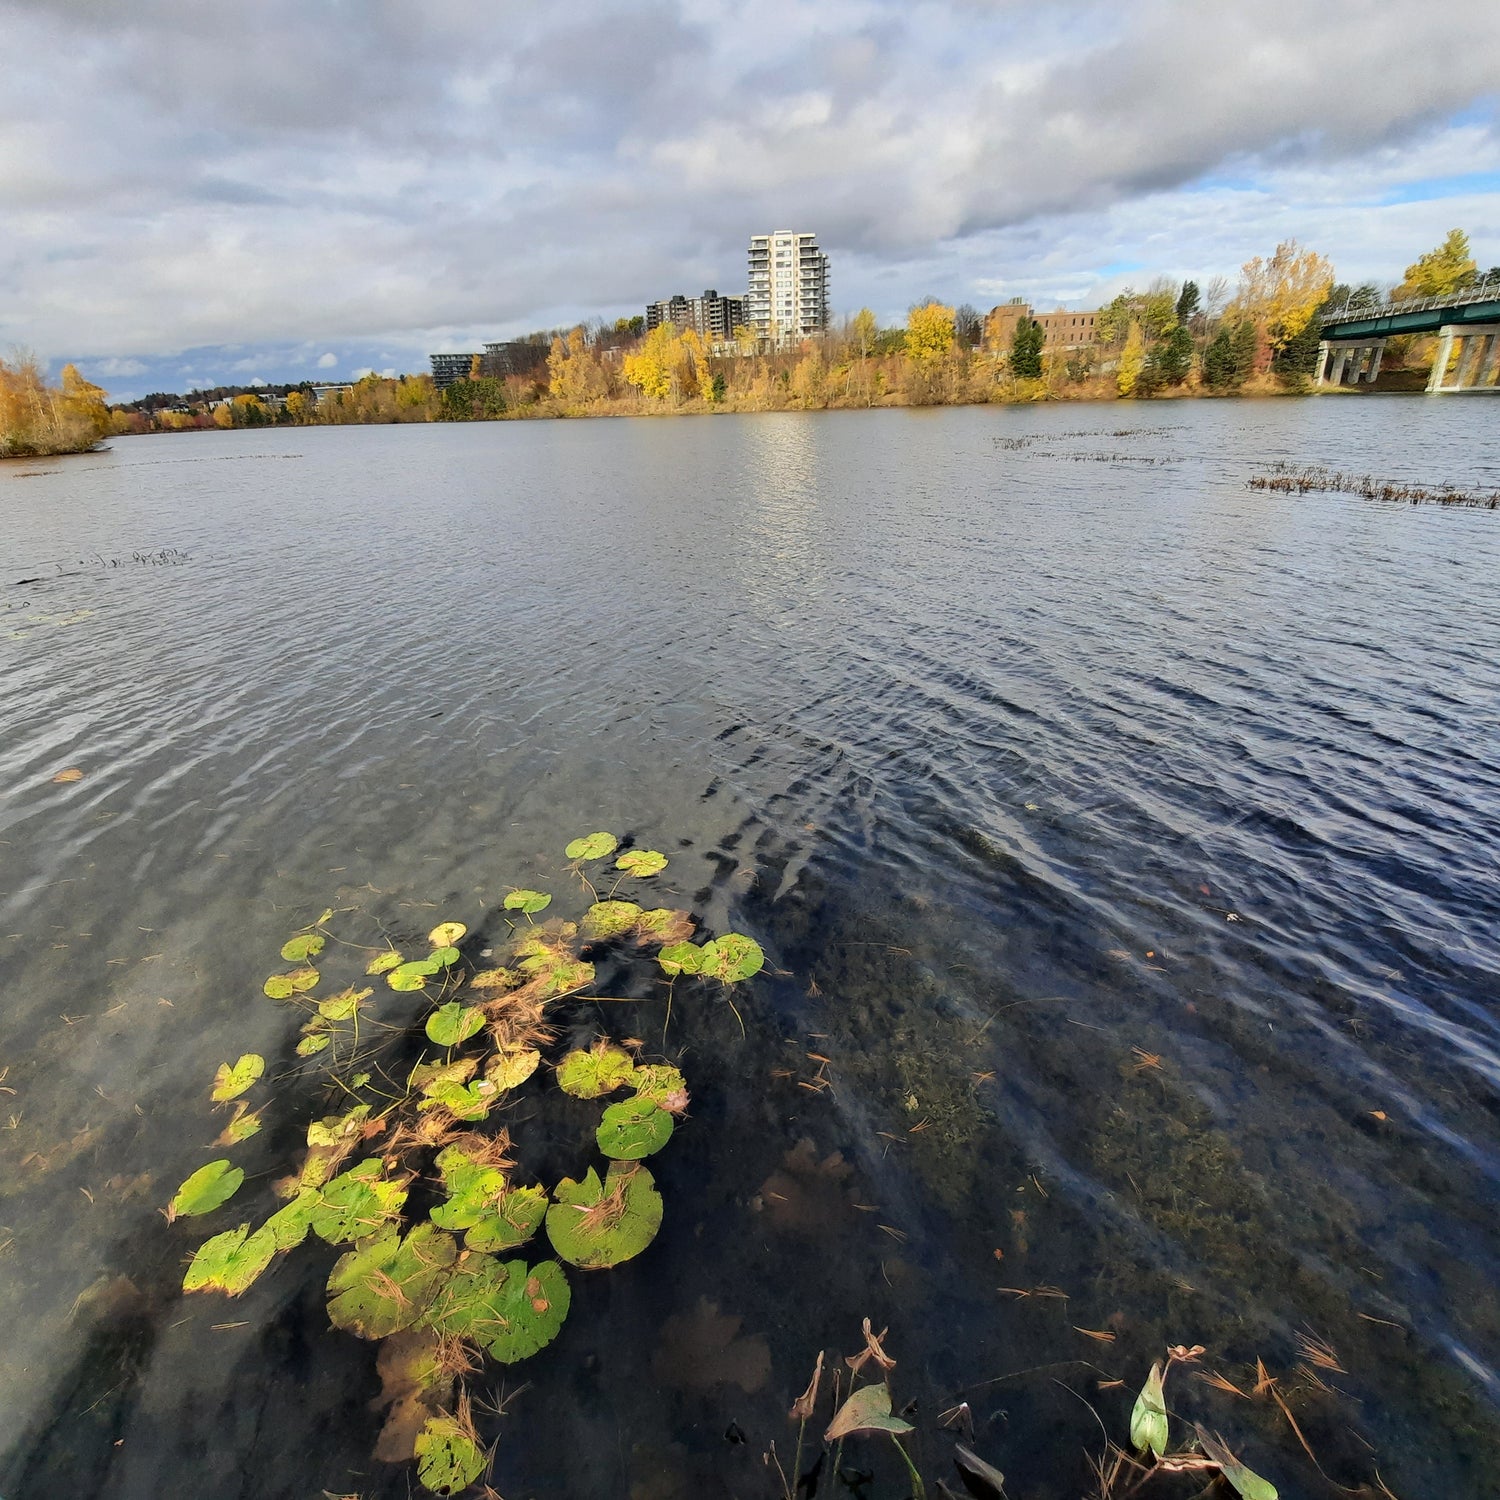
[(1123, 843)]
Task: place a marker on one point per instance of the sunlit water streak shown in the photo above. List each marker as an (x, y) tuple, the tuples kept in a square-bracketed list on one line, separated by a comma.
[(1014, 764)]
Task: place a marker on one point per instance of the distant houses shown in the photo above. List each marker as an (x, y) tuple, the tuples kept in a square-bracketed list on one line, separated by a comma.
[(1060, 330), (511, 357)]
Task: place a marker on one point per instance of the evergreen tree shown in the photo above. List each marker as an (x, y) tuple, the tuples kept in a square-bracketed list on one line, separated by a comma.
[(1189, 299), (1026, 350), (1173, 357), (1218, 360), (1243, 344)]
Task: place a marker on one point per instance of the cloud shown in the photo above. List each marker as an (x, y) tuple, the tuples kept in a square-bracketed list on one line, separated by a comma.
[(327, 361), (425, 176)]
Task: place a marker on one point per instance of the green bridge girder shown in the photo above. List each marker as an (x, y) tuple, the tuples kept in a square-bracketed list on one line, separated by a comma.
[(1375, 325)]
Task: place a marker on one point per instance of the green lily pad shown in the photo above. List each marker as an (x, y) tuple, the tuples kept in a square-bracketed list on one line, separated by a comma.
[(608, 919), (473, 1188), (313, 1043), (452, 1023), (344, 1005), (383, 963), (205, 1190), (290, 1225), (278, 987), (465, 1101), (446, 934), (681, 958), (444, 957), (510, 1310), (600, 1070), (448, 1459), (231, 1082), (298, 949), (246, 1122), (385, 1283), (663, 1085), (1148, 1419), (594, 1225), (229, 1262), (413, 975), (529, 902), (633, 1128), (356, 1204), (509, 1070), (509, 1223), (329, 1141), (663, 924), (303, 979), (592, 846), (731, 958), (641, 862), (425, 1076)]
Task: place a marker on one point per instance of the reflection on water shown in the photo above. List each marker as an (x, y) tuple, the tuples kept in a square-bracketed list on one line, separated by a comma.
[(1123, 843)]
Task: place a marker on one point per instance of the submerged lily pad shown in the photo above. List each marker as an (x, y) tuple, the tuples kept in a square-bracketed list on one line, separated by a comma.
[(641, 862), (246, 1122), (510, 1222), (383, 963), (229, 1262), (663, 924), (509, 1070), (453, 1023), (306, 945), (231, 1082), (633, 1128), (446, 934), (529, 902), (205, 1190), (595, 1225), (600, 1070), (731, 958), (681, 958), (608, 919), (510, 1310), (357, 1203), (592, 846), (385, 1283), (448, 1458)]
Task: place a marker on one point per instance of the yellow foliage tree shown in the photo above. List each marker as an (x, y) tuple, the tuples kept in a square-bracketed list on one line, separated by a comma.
[(297, 405), (223, 415), (1440, 272), (1281, 294), (929, 332), (1132, 358), (83, 402), (653, 367), (576, 375)]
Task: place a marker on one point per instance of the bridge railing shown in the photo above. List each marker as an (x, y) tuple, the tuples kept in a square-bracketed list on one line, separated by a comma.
[(1487, 289)]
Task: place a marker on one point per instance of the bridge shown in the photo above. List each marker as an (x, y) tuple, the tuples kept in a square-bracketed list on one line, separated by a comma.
[(1354, 338)]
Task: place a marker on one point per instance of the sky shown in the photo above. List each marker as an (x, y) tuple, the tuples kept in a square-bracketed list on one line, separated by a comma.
[(308, 189)]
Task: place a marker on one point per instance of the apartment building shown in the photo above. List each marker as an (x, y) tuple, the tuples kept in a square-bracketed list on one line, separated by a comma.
[(446, 368), (788, 295), (712, 316)]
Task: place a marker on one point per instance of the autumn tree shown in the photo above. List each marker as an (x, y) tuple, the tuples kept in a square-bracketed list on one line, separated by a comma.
[(1132, 358), (575, 373), (1441, 272), (967, 326), (929, 332), (1280, 295)]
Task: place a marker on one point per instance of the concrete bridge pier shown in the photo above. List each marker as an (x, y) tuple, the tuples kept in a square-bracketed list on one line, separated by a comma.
[(1356, 359), (1479, 348)]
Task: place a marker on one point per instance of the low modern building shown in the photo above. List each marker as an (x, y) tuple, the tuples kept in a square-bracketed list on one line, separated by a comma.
[(712, 316), (788, 296)]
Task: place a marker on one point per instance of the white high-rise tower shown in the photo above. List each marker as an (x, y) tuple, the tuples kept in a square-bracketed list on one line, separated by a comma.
[(788, 295)]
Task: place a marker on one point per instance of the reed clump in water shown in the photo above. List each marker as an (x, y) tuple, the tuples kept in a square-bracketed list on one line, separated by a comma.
[(1292, 479)]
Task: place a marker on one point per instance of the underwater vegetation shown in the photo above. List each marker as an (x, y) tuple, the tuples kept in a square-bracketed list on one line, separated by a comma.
[(1294, 479), (414, 1182)]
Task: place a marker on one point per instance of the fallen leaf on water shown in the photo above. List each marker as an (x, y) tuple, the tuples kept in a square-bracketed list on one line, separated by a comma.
[(71, 774)]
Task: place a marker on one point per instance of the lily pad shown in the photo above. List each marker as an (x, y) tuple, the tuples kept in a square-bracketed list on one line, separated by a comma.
[(681, 958), (307, 945), (444, 957), (474, 1188), (329, 1141), (663, 924), (592, 846), (205, 1190), (509, 1223), (425, 1076), (595, 1225), (246, 1122), (731, 958), (509, 1070), (465, 1101), (633, 1128), (385, 1283), (278, 987), (446, 934), (641, 862), (357, 1204), (448, 1458), (231, 1082), (867, 1410), (290, 1225), (342, 1007), (528, 901), (303, 979), (510, 1310), (663, 1085), (229, 1262), (608, 919), (600, 1070), (383, 963), (453, 1023), (494, 979), (1148, 1419), (413, 975), (314, 1043)]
